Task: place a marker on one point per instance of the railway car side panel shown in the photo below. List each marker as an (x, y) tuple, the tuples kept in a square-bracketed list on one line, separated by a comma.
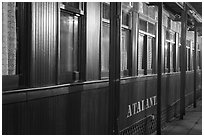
[(76, 109), (94, 111), (137, 105)]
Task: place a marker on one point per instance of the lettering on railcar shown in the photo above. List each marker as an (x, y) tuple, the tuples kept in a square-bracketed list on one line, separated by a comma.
[(140, 106)]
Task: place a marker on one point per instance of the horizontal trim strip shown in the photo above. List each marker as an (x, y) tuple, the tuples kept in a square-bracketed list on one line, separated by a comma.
[(90, 82), (55, 86)]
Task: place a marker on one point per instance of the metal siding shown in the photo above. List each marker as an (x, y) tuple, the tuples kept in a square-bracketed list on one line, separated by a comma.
[(93, 30), (44, 46)]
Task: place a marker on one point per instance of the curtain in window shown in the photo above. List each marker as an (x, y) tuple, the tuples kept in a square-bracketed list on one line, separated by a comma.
[(9, 39)]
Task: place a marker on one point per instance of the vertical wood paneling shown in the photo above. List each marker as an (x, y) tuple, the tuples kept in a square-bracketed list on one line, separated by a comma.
[(94, 112), (67, 111), (44, 43), (93, 33), (14, 119)]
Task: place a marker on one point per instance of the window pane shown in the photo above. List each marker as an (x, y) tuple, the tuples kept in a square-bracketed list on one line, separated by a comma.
[(174, 26), (105, 48), (179, 58), (173, 36), (73, 4), (171, 56), (167, 35), (143, 25), (141, 52), (106, 11), (188, 43), (164, 20), (125, 18), (169, 23), (126, 3), (200, 60), (145, 8), (68, 42), (192, 67), (124, 49), (188, 65), (187, 59), (9, 38), (174, 57), (166, 57), (152, 12), (149, 52), (151, 28)]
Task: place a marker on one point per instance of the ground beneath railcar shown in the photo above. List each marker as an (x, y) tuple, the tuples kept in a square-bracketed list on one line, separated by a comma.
[(190, 125)]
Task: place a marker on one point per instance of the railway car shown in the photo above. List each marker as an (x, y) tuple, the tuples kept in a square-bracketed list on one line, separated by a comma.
[(93, 67)]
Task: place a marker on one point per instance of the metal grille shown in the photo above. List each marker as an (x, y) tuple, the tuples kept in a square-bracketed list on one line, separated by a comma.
[(146, 126)]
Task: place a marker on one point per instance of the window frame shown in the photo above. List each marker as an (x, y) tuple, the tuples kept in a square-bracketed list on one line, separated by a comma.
[(103, 74), (103, 21), (123, 73), (79, 74), (148, 20), (22, 77), (171, 48), (128, 28)]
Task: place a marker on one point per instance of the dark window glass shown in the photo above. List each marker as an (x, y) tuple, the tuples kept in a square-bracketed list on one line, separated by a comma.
[(171, 56), (164, 20), (172, 37), (145, 9), (106, 11), (151, 28), (192, 67), (105, 50), (143, 25), (68, 46), (199, 60), (126, 3), (169, 23), (174, 57), (188, 57), (72, 4), (179, 58), (152, 12), (174, 26), (125, 18), (167, 35), (166, 57), (188, 43)]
